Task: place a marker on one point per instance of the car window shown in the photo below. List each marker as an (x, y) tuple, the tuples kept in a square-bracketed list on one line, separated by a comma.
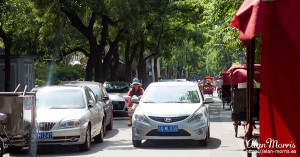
[(117, 87), (97, 92), (92, 95), (88, 96), (171, 94)]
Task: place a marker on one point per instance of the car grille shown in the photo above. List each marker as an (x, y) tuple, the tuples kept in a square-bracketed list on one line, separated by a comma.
[(46, 126), (168, 119), (118, 105), (61, 139), (180, 132)]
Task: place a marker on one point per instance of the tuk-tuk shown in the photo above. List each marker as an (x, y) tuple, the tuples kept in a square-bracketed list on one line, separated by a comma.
[(208, 87), (18, 128)]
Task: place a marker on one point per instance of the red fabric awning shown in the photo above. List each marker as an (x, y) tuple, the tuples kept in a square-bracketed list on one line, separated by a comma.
[(279, 23), (280, 86), (225, 76), (239, 76), (249, 20)]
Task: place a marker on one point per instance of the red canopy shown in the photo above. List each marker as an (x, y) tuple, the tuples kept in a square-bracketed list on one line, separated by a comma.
[(279, 107), (249, 20), (225, 76), (208, 78), (239, 76), (237, 66)]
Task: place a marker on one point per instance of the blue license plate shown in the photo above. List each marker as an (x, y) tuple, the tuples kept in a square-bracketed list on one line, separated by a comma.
[(45, 135), (167, 128)]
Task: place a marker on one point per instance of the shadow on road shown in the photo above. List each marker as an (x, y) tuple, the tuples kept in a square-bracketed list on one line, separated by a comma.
[(213, 143)]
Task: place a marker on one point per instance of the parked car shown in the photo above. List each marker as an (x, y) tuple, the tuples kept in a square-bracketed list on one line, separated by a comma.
[(101, 96), (171, 110), (69, 116), (117, 91)]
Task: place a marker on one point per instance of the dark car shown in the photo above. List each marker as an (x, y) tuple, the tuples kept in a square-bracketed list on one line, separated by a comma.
[(117, 91), (101, 95)]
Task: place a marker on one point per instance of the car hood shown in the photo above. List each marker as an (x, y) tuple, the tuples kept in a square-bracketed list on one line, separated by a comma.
[(169, 109), (56, 115), (117, 96)]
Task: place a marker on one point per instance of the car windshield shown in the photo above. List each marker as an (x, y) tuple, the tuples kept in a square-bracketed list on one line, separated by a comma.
[(171, 94), (60, 99), (117, 87)]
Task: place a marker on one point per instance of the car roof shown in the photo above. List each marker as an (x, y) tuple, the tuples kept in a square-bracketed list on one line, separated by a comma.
[(117, 82), (57, 88), (157, 84), (80, 83)]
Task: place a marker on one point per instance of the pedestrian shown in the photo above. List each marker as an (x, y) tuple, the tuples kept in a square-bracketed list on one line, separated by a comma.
[(136, 90)]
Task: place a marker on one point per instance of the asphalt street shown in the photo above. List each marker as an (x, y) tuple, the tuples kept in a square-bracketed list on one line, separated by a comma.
[(117, 142)]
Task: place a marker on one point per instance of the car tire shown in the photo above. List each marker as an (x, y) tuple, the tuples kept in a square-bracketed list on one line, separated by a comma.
[(100, 137), (14, 150), (136, 143), (205, 141), (110, 125), (87, 144)]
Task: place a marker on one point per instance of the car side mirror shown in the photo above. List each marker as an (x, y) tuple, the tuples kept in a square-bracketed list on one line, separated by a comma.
[(127, 97), (105, 98), (208, 100), (135, 100), (90, 104)]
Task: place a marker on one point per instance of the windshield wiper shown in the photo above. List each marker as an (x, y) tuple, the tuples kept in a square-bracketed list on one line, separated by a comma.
[(59, 108), (174, 102), (149, 102)]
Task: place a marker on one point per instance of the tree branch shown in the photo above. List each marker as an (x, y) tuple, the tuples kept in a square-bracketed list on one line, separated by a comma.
[(92, 21), (75, 50)]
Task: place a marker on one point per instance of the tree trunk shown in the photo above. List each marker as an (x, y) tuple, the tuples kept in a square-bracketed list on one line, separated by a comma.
[(7, 44), (155, 72), (114, 67), (127, 62), (141, 62)]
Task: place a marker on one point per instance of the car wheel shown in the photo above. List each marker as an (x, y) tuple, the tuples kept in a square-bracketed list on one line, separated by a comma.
[(205, 141), (136, 143), (99, 138), (110, 125), (14, 150), (87, 144)]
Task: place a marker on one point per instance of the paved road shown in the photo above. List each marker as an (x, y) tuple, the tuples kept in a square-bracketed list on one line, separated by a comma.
[(118, 142)]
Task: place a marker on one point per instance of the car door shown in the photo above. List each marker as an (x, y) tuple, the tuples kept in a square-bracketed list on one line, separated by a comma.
[(108, 105), (94, 112)]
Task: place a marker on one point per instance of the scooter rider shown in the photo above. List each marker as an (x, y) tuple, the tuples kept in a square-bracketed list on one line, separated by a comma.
[(136, 90)]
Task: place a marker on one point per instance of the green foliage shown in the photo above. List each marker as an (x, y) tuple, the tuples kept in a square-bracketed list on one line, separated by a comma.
[(47, 74)]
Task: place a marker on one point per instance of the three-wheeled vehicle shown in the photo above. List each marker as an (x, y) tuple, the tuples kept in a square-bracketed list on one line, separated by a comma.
[(18, 128), (225, 90), (208, 87), (239, 77)]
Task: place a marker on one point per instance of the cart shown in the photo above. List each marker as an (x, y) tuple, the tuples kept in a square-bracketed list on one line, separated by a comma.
[(226, 86), (239, 107), (18, 127), (208, 87)]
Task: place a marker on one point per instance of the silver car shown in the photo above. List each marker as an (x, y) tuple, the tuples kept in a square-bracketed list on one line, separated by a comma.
[(69, 115), (171, 110), (117, 91)]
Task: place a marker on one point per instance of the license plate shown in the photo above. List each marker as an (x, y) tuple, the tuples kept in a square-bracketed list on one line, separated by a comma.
[(45, 135), (168, 128)]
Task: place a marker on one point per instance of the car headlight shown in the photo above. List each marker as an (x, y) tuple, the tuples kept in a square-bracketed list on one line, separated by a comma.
[(198, 116), (139, 116), (69, 124)]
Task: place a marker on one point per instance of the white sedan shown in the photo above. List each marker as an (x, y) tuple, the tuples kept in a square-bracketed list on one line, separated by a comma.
[(68, 115)]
